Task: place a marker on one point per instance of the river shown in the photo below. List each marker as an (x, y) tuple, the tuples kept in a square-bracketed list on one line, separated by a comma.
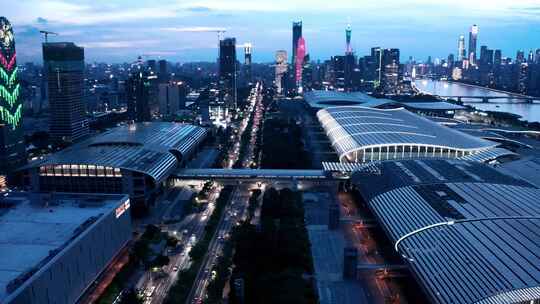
[(528, 112)]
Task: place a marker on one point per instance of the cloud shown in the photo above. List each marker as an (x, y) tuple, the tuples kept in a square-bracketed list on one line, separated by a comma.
[(193, 29), (41, 20), (199, 9), (119, 44)]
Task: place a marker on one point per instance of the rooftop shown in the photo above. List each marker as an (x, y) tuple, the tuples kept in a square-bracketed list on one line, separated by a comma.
[(32, 233), (152, 148), (322, 99), (357, 128), (469, 233)]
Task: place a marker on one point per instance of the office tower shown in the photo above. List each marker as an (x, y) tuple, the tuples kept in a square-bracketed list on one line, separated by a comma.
[(172, 97), (281, 69), (350, 67), (348, 34), (520, 57), (12, 149), (247, 63), (163, 75), (297, 33), (530, 58), (486, 57), (497, 58), (473, 38), (64, 69), (137, 94), (227, 72), (350, 263), (300, 54), (390, 70), (151, 65), (337, 77), (461, 48), (537, 56)]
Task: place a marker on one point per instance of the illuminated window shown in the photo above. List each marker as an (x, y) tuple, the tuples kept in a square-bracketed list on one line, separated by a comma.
[(100, 171), (58, 170), (117, 172), (109, 171), (66, 170), (91, 170), (83, 170), (74, 170)]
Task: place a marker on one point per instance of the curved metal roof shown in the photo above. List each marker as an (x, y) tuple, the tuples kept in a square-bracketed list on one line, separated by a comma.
[(323, 99), (353, 128), (143, 147), (468, 233)]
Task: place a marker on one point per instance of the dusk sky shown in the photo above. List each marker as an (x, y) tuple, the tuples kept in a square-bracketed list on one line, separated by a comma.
[(120, 30)]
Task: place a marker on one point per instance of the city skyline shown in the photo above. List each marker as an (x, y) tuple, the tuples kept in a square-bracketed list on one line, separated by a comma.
[(185, 31)]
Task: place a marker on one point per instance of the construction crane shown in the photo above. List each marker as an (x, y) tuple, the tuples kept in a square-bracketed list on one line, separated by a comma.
[(46, 34)]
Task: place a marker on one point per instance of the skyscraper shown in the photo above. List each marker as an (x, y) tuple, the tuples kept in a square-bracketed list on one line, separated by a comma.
[(137, 94), (64, 68), (172, 97), (247, 62), (497, 59), (297, 33), (300, 54), (163, 74), (227, 72), (473, 38), (12, 149), (461, 48), (520, 57), (348, 34), (281, 69), (390, 70)]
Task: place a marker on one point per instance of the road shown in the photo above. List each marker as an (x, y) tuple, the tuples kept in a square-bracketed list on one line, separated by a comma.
[(234, 213), (237, 209), (190, 228)]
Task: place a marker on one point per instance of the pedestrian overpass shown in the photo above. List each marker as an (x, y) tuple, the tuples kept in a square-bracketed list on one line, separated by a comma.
[(330, 171)]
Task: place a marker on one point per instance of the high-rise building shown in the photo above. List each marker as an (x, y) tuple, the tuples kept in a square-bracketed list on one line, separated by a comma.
[(137, 94), (537, 56), (227, 72), (497, 58), (473, 38), (64, 68), (300, 54), (297, 33), (530, 58), (151, 65), (520, 57), (247, 62), (461, 48), (12, 149), (348, 34), (163, 75), (389, 71), (281, 69), (172, 97)]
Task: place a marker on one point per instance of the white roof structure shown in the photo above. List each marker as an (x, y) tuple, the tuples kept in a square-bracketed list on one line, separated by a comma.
[(363, 134), (468, 233), (152, 148)]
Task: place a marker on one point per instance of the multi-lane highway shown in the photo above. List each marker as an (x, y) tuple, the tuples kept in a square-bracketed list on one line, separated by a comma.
[(235, 212)]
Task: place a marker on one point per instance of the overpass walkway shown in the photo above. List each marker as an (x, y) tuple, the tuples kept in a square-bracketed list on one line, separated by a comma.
[(250, 174)]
